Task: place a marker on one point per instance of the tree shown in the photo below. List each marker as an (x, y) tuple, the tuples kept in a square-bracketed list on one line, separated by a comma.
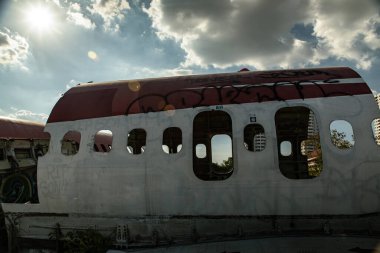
[(339, 139), (223, 168), (315, 163)]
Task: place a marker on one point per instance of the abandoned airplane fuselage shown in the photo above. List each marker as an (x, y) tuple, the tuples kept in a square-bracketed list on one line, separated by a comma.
[(210, 158)]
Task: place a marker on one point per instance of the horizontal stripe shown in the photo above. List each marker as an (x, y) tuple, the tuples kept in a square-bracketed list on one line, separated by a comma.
[(160, 94), (308, 82)]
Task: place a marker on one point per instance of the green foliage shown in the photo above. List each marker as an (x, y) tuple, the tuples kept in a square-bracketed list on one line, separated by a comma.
[(315, 163), (84, 241), (339, 139), (225, 167)]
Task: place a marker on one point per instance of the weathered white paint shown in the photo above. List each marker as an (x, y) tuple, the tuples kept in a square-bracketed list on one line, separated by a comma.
[(106, 189), (155, 183)]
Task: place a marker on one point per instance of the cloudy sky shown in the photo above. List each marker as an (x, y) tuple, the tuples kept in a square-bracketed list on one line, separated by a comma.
[(48, 46)]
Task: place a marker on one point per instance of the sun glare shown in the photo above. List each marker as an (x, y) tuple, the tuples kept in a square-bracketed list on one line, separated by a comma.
[(40, 18)]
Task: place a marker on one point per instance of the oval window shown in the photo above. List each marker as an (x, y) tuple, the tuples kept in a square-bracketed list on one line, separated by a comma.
[(300, 153), (70, 143), (103, 141), (172, 140), (286, 148), (254, 137), (376, 130), (200, 151), (136, 141), (212, 145), (341, 134)]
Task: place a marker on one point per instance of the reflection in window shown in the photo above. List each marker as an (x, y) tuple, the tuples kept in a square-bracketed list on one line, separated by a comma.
[(103, 141), (172, 140), (300, 154), (376, 130), (254, 137), (342, 135), (212, 145), (70, 143), (136, 141)]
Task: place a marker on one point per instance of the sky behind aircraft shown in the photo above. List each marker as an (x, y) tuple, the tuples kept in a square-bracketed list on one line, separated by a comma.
[(46, 47)]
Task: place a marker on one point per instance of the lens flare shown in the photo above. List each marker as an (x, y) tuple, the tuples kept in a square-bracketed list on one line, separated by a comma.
[(92, 55), (169, 110), (134, 86)]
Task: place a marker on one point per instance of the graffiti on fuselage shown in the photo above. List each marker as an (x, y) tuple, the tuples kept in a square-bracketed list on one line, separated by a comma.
[(236, 90)]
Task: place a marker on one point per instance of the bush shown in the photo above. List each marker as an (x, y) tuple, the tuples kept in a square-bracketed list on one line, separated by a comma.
[(86, 241)]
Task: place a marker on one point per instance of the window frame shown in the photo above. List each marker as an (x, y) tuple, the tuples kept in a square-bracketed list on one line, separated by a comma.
[(179, 147), (343, 149), (74, 143), (142, 147), (207, 124), (100, 141), (246, 135), (297, 124)]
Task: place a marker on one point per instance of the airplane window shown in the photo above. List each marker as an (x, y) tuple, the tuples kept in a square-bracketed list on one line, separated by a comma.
[(299, 149), (136, 141), (23, 153), (221, 154), (41, 147), (70, 143), (200, 151), (2, 152), (376, 130), (172, 140), (254, 137), (342, 135), (286, 148), (103, 141), (212, 145)]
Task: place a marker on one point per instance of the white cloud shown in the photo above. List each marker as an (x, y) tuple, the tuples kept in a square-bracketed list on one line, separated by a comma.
[(179, 72), (71, 84), (111, 11), (14, 48), (24, 114), (56, 2), (75, 16), (258, 33), (148, 72)]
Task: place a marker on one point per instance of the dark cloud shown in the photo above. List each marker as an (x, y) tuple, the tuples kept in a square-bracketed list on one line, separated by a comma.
[(187, 36), (267, 33), (4, 40)]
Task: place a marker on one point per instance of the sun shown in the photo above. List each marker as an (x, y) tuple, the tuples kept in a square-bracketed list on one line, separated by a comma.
[(40, 19)]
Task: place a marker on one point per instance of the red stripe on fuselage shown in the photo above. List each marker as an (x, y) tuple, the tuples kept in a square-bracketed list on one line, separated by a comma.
[(159, 94), (190, 98)]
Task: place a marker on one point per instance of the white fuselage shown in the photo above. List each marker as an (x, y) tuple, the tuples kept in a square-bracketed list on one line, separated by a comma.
[(154, 183)]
